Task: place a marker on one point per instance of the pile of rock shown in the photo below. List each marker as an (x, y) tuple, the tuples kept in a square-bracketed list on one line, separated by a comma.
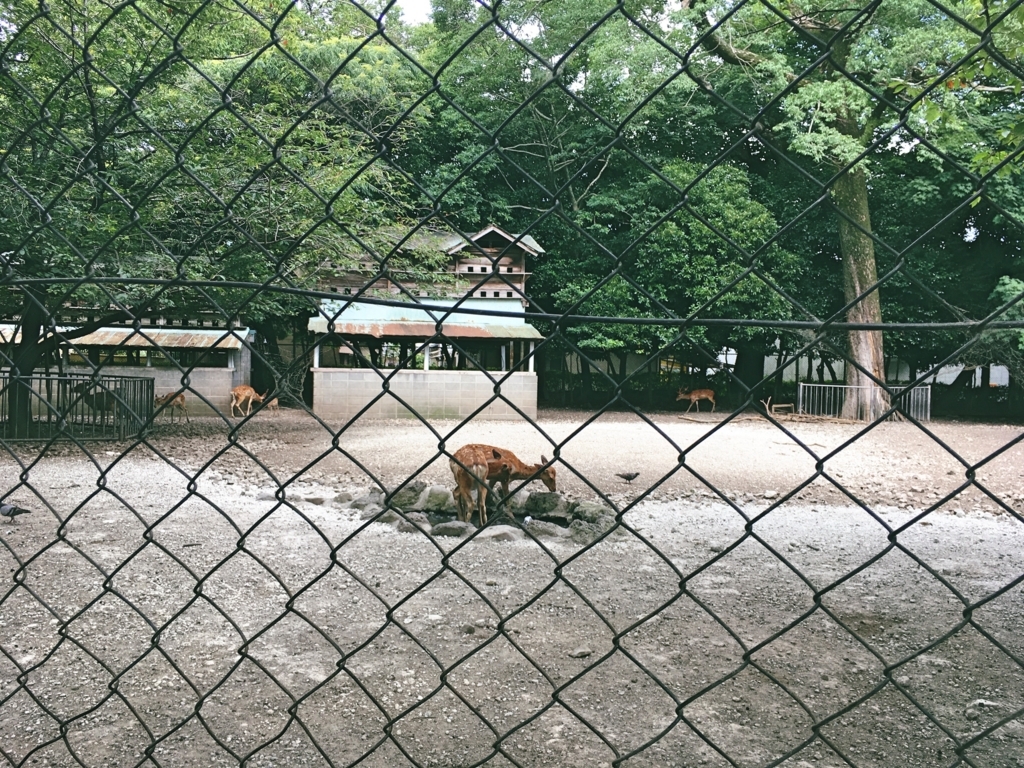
[(544, 515)]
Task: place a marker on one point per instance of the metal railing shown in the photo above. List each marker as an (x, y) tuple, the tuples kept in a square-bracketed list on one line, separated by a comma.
[(829, 399), (74, 407)]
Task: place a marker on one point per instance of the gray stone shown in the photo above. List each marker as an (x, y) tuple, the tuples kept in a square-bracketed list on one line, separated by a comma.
[(516, 503), (581, 653), (542, 529), (409, 495), (453, 528), (583, 532), (266, 495), (342, 497), (771, 494), (500, 533), (368, 512), (547, 504), (414, 522), (975, 709), (318, 500), (372, 498), (387, 516), (436, 498), (468, 629), (591, 512)]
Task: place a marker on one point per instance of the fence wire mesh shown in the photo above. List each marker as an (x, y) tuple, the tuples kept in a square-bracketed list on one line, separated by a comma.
[(341, 244)]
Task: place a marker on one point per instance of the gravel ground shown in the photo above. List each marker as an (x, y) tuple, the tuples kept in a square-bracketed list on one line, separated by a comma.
[(175, 613)]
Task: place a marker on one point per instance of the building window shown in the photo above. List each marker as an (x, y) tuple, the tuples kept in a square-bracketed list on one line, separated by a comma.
[(107, 356)]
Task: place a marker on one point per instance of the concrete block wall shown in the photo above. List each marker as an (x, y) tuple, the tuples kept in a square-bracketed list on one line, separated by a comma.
[(343, 392), (214, 384)]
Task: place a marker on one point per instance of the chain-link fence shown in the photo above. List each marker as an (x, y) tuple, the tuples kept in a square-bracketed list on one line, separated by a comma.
[(318, 264)]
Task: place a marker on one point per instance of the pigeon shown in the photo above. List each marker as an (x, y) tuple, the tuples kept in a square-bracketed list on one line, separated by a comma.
[(11, 511), (629, 477)]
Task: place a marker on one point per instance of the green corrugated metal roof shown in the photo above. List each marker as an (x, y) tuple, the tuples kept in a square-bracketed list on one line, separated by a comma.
[(411, 330)]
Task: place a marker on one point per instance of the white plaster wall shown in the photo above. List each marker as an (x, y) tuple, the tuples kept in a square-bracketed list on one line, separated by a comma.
[(343, 392)]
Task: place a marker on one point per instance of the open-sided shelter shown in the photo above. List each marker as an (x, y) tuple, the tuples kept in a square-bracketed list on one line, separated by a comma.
[(436, 354)]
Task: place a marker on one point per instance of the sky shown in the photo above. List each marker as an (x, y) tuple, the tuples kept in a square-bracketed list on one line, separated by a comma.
[(415, 11)]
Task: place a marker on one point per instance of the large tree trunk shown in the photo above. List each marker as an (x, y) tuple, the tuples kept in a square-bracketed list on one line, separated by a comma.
[(749, 367), (587, 380), (623, 356), (868, 401), (27, 355), (263, 374)]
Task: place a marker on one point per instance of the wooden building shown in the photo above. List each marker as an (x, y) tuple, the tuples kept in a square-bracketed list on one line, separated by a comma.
[(440, 351)]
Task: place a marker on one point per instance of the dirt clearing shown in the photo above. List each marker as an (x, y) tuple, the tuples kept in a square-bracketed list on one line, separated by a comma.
[(167, 603)]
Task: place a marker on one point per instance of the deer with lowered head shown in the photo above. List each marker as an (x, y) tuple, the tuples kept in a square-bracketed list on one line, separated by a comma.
[(171, 401), (696, 396), (508, 467), (243, 393), (502, 466)]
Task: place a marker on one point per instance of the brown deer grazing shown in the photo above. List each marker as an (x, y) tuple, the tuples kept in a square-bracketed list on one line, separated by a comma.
[(507, 466), (171, 401), (696, 396), (273, 405), (470, 465), (243, 393)]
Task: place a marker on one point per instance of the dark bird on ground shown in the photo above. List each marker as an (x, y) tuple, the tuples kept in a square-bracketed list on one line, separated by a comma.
[(11, 511), (629, 477)]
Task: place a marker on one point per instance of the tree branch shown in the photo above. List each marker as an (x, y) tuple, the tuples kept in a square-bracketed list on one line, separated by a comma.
[(713, 43), (586, 191)]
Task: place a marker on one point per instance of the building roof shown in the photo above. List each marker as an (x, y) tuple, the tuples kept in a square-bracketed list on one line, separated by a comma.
[(380, 330), (171, 338), (526, 242)]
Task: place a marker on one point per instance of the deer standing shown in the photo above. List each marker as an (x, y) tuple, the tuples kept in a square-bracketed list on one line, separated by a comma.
[(172, 400), (273, 405), (470, 465), (696, 396), (243, 393), (502, 466), (509, 467), (95, 396)]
